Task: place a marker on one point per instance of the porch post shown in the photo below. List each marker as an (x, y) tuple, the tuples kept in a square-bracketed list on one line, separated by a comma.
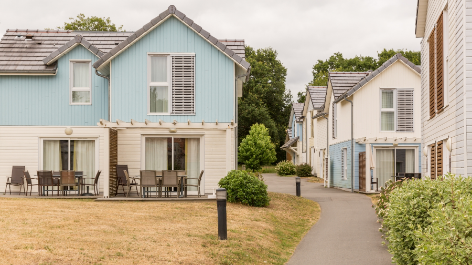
[(367, 167)]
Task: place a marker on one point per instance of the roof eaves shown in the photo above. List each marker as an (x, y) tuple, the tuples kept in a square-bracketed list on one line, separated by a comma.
[(64, 49), (171, 11)]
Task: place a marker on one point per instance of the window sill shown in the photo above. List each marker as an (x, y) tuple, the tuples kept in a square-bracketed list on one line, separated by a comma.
[(80, 104), (438, 113), (170, 114)]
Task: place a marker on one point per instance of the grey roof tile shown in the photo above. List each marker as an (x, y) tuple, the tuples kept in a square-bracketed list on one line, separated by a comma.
[(204, 33), (147, 26), (228, 51), (179, 14), (317, 96), (289, 143), (188, 21), (156, 20), (298, 110), (221, 46), (213, 40), (196, 27)]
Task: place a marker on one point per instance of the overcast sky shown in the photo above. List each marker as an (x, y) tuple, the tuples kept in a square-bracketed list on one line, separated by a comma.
[(302, 31)]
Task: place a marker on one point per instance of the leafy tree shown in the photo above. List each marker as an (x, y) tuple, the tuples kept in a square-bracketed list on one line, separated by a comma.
[(265, 99), (301, 97), (92, 23), (257, 148), (338, 63)]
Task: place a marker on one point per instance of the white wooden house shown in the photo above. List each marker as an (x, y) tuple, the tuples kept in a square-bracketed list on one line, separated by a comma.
[(446, 85), (385, 121), (293, 145)]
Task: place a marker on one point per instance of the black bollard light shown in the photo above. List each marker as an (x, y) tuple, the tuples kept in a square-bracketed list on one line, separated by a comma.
[(297, 180), (221, 207)]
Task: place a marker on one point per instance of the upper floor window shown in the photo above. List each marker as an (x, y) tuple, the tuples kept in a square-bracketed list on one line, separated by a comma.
[(171, 84), (80, 83), (396, 110)]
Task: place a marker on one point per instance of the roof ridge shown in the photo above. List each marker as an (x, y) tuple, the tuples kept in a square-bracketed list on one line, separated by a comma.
[(171, 11), (78, 39)]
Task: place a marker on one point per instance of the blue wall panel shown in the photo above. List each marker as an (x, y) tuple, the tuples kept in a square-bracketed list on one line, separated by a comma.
[(44, 100), (335, 155), (214, 88)]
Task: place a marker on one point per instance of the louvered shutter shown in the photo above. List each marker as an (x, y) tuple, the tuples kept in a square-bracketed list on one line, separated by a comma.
[(405, 110), (343, 159), (433, 161), (439, 159), (183, 84), (432, 75), (439, 65)]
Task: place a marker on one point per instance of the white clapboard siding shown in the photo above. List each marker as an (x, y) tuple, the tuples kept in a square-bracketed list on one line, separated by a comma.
[(213, 144), (183, 84), (405, 110), (20, 146)]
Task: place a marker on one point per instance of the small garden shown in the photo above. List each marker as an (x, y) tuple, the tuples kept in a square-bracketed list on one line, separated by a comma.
[(427, 221)]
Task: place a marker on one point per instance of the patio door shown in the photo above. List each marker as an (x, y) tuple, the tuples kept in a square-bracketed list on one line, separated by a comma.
[(68, 154), (390, 161), (174, 153)]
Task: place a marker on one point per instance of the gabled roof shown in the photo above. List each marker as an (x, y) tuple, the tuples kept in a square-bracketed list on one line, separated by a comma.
[(298, 110), (375, 73), (317, 96), (21, 56), (421, 13), (77, 40), (289, 143), (237, 46), (171, 11), (343, 81)]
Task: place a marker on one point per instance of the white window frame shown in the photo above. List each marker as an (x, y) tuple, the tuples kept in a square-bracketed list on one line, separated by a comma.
[(344, 154), (151, 84), (200, 136), (445, 58), (394, 109), (71, 82)]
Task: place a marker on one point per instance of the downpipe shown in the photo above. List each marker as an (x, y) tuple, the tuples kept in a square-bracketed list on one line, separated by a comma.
[(352, 143)]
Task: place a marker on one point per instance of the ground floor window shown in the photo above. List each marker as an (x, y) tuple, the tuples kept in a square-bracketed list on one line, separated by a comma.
[(173, 153), (390, 161), (70, 154)]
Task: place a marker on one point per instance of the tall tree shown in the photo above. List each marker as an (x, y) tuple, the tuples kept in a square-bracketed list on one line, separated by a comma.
[(337, 63), (256, 149), (92, 23), (301, 97), (265, 99)]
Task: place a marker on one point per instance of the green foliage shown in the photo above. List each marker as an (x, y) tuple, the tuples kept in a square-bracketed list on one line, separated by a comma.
[(256, 149), (285, 168), (265, 100), (92, 23), (304, 170), (301, 97), (429, 221), (337, 63), (383, 201), (245, 188)]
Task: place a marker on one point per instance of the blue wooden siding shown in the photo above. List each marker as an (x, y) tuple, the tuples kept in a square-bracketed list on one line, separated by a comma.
[(44, 100), (214, 88), (335, 155)]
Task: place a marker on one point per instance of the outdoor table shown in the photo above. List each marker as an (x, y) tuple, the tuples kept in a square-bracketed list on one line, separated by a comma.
[(55, 176)]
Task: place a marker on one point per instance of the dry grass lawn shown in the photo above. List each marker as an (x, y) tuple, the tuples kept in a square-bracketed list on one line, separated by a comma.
[(315, 180), (46, 231)]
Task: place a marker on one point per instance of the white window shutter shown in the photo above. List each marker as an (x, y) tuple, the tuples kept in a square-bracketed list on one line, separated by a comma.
[(334, 125), (342, 163), (183, 84), (405, 110)]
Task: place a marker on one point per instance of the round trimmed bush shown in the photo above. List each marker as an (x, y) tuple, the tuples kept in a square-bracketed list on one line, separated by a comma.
[(285, 168), (304, 170), (245, 188)]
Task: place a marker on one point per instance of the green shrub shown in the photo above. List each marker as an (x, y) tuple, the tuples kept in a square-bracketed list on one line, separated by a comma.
[(383, 201), (245, 188), (256, 149), (304, 170), (418, 218), (285, 168)]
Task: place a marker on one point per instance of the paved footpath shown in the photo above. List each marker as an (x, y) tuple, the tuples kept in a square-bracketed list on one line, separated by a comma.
[(347, 232)]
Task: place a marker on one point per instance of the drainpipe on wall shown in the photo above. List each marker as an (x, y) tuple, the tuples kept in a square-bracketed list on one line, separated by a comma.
[(327, 149), (352, 144), (109, 93)]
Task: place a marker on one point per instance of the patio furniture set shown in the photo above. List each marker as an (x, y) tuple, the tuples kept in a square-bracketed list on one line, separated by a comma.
[(156, 181), (63, 180)]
